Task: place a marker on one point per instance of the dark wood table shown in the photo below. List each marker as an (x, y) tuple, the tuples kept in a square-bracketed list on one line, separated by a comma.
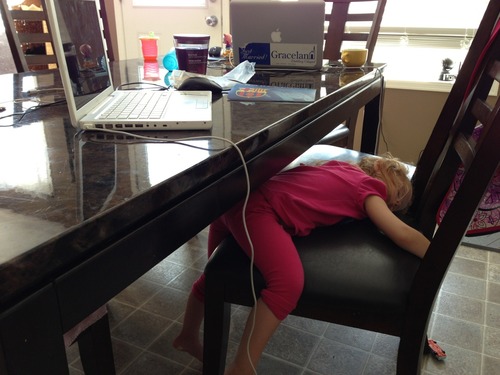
[(83, 215)]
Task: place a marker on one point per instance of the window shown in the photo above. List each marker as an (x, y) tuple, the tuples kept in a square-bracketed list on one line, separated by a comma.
[(415, 36)]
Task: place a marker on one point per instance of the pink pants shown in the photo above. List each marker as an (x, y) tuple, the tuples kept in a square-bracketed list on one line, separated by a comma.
[(275, 254)]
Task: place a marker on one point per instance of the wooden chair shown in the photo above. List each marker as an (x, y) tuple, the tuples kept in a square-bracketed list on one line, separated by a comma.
[(354, 275), (340, 21), (29, 38), (107, 13), (27, 31)]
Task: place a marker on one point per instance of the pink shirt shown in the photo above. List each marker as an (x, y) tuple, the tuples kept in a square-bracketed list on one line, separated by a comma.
[(306, 197)]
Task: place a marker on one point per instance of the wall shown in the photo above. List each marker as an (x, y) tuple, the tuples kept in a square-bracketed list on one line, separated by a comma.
[(407, 120), (409, 114)]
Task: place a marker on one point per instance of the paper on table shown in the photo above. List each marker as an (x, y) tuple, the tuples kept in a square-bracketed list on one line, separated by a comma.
[(256, 93)]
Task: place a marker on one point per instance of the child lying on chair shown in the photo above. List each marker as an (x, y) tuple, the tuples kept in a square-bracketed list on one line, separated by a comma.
[(293, 203)]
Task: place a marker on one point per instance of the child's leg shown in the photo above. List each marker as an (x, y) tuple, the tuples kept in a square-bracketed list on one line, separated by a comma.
[(258, 332), (277, 259), (274, 254), (188, 339)]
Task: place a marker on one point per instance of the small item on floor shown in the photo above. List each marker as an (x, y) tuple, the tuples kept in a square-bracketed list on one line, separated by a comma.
[(435, 350)]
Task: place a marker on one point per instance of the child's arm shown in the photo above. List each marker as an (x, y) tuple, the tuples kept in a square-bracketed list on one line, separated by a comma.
[(402, 234)]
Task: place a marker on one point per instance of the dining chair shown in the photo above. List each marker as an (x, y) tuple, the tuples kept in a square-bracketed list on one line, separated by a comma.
[(345, 25), (29, 38), (354, 275), (30, 41), (107, 13)]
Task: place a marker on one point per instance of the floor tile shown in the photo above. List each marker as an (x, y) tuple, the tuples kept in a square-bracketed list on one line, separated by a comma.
[(386, 346), (494, 292), (357, 338), (274, 366), (315, 327), (151, 364), (459, 333), (494, 257), (492, 342), (469, 267), (332, 357), (118, 311), (472, 253), (494, 273), (167, 302), (147, 316), (163, 346), (138, 293), (124, 354), (458, 361), (465, 308), (493, 315), (464, 286), (164, 272), (292, 345), (141, 328), (185, 280), (490, 366), (380, 366)]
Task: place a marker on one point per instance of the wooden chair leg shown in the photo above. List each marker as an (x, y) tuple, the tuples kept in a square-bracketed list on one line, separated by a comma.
[(410, 355), (215, 331), (96, 351)]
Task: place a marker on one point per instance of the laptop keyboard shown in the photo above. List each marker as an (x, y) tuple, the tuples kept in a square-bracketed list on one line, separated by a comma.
[(138, 105)]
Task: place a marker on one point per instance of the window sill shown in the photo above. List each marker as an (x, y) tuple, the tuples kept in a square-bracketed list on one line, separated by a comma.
[(435, 86), (432, 86)]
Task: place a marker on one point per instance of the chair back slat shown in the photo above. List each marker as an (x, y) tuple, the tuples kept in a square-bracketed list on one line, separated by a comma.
[(459, 149), (465, 149), (355, 37), (29, 38), (495, 71), (360, 17), (439, 135), (481, 111), (27, 15), (336, 33)]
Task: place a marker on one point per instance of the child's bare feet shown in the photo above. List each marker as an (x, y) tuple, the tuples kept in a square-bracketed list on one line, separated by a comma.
[(189, 345)]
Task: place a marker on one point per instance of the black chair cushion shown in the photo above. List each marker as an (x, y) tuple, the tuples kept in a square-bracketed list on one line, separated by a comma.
[(351, 265)]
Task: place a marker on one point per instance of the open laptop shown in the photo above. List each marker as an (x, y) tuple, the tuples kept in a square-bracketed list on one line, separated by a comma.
[(79, 46), (278, 34)]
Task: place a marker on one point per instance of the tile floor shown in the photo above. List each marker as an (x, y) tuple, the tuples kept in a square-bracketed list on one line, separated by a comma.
[(466, 322)]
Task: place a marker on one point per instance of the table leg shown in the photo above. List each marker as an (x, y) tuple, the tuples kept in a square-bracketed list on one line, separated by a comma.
[(370, 133), (31, 337)]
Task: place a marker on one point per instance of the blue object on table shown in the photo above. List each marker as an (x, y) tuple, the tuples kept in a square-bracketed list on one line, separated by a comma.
[(170, 61)]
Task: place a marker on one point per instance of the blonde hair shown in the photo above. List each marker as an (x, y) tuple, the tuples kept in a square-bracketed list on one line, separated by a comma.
[(395, 176)]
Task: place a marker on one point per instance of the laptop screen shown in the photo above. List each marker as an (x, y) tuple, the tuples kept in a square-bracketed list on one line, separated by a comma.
[(84, 51), (278, 33)]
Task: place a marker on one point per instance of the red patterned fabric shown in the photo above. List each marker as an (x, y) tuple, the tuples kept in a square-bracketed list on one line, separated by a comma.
[(487, 217)]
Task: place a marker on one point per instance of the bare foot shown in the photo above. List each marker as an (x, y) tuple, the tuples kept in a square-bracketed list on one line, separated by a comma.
[(189, 345)]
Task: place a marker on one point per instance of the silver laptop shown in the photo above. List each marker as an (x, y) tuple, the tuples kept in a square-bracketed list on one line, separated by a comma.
[(93, 103), (278, 33)]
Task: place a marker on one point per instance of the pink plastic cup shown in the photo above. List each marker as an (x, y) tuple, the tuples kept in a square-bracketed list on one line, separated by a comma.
[(192, 52), (149, 48)]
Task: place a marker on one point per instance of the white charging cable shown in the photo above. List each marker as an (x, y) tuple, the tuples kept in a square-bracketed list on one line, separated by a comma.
[(245, 203)]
